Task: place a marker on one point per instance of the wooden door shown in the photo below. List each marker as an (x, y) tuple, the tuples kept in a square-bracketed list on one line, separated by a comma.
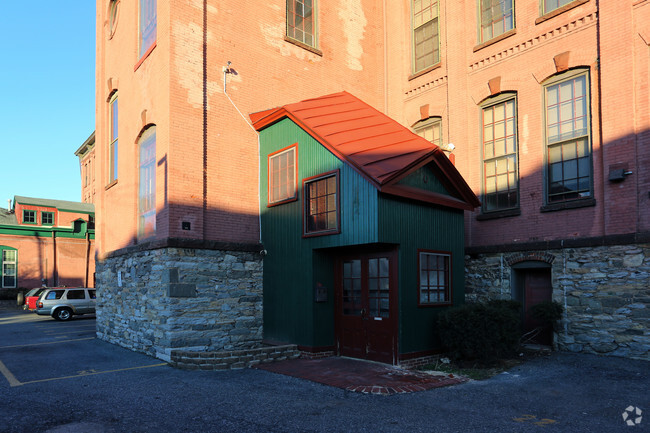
[(537, 289), (367, 307)]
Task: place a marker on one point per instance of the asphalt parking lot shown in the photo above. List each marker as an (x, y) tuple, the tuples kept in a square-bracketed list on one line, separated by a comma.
[(56, 377)]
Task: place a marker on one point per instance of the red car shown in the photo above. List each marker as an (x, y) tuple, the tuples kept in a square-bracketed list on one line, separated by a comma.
[(31, 297)]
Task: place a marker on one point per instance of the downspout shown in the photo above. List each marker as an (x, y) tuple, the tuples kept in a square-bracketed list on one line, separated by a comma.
[(55, 277), (87, 257), (600, 114)]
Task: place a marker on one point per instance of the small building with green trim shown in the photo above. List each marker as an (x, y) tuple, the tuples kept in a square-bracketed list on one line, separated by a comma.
[(45, 241), (363, 229)]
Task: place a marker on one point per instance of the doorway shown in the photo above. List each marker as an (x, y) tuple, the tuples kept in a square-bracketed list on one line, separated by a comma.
[(533, 286), (366, 306)]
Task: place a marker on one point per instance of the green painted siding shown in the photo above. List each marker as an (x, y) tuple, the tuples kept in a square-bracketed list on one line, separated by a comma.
[(420, 226), (426, 179), (292, 268)]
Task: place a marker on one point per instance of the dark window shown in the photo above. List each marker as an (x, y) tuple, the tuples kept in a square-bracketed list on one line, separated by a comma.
[(93, 294), (434, 278), (301, 24), (321, 204), (29, 216), (496, 18), (500, 183), (352, 287), (47, 218), (55, 294), (567, 138), (282, 176), (426, 41), (76, 294)]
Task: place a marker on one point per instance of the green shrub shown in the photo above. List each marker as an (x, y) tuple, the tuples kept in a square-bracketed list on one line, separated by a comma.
[(482, 331), (547, 312)]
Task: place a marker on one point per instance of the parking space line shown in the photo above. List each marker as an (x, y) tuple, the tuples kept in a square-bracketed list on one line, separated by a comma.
[(49, 342), (85, 373), (70, 331), (10, 377)]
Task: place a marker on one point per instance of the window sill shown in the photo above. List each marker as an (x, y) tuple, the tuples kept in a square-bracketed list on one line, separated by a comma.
[(560, 11), (498, 214), (438, 304), (425, 71), (278, 203), (110, 185), (495, 39), (574, 204), (303, 46), (323, 233), (144, 56)]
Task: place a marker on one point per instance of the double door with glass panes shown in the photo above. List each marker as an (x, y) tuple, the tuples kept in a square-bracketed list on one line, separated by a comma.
[(367, 307)]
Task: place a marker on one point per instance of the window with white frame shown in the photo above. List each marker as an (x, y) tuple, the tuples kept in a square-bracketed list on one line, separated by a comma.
[(496, 17), (426, 34), (301, 24), (568, 140), (282, 175), (9, 267)]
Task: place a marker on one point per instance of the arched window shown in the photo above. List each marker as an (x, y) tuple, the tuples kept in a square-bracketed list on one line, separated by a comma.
[(431, 129), (147, 184)]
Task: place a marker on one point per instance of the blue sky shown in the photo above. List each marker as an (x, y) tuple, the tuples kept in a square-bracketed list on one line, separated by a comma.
[(47, 96)]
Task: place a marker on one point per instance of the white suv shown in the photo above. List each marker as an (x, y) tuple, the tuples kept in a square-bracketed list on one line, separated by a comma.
[(64, 302)]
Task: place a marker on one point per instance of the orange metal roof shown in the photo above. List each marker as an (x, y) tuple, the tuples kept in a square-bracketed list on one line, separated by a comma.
[(377, 146)]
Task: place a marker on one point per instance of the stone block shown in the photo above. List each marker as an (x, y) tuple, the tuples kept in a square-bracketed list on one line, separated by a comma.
[(181, 290)]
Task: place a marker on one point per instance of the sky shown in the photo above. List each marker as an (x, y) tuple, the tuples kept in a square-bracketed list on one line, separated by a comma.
[(47, 96)]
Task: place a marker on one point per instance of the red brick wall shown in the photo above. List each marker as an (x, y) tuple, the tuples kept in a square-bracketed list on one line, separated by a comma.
[(366, 51), (520, 63), (61, 261), (169, 85)]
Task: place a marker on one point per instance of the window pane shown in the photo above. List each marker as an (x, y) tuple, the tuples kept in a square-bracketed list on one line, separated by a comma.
[(148, 19)]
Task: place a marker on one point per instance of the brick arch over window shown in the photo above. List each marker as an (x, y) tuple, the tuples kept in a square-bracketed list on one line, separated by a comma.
[(564, 61), (495, 86), (532, 256)]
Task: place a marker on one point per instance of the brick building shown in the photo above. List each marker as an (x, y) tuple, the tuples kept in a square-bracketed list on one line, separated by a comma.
[(86, 155), (46, 241), (545, 102)]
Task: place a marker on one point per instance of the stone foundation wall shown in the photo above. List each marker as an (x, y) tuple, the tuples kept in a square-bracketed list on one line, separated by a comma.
[(155, 301), (605, 292)]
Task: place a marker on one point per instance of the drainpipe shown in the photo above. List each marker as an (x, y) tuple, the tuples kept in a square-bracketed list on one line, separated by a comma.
[(87, 257), (55, 277)]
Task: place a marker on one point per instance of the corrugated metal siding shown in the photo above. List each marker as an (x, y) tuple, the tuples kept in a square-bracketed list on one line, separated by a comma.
[(426, 179), (419, 226), (289, 277)]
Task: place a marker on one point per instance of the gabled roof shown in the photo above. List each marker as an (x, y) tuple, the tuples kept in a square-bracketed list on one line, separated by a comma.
[(378, 147), (59, 204)]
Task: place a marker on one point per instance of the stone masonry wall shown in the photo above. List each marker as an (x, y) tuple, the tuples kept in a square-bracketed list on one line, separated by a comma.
[(605, 292), (156, 301)]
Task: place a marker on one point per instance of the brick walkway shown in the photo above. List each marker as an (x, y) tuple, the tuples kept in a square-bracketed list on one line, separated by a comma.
[(361, 376)]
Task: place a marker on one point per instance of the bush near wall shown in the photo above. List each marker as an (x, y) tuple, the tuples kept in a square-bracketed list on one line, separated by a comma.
[(483, 331)]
